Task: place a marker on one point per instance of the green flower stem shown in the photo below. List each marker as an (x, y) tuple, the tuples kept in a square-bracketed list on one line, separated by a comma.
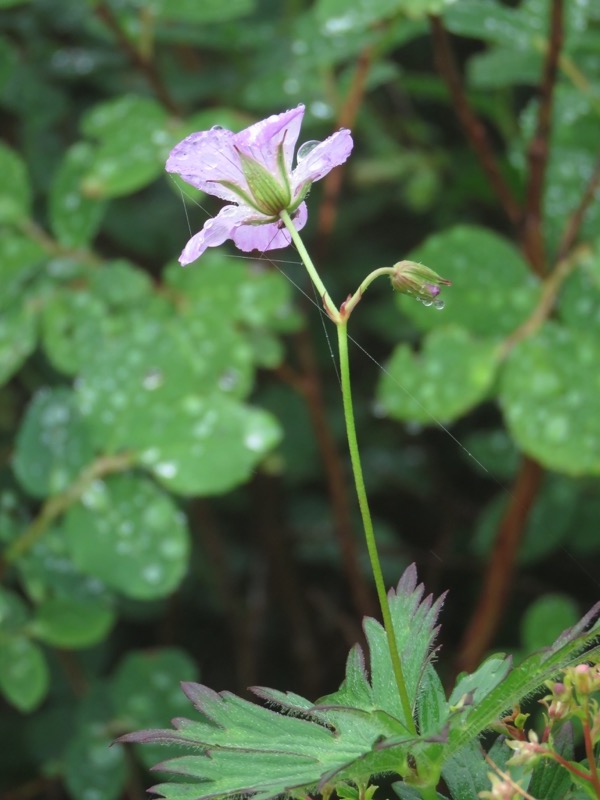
[(341, 320), (328, 303), (353, 301), (342, 329)]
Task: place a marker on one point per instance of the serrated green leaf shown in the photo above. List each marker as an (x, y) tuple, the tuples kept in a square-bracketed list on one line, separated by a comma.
[(53, 444), (130, 534), (450, 375), (501, 67), (71, 623), (545, 619), (24, 676), (15, 194), (350, 735), (492, 289), (93, 766), (145, 687), (549, 395), (134, 142), (490, 703), (74, 217), (18, 337)]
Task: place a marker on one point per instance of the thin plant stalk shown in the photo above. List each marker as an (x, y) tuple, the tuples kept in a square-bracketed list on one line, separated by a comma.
[(341, 324)]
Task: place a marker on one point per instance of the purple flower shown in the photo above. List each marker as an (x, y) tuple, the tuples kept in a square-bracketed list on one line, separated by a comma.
[(253, 171)]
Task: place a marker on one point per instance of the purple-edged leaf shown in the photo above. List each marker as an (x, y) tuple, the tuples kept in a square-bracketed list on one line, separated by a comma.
[(240, 748)]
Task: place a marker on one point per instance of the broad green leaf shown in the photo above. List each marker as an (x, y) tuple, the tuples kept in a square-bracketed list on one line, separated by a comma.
[(92, 767), (549, 395), (53, 444), (130, 535), (501, 67), (133, 144), (24, 676), (492, 289), (145, 687), (13, 612), (15, 194), (347, 736), (74, 217), (491, 21), (450, 375), (579, 302), (120, 283), (48, 572), (545, 619), (338, 16), (73, 324), (195, 13), (20, 261), (161, 391), (71, 623), (18, 338), (466, 773)]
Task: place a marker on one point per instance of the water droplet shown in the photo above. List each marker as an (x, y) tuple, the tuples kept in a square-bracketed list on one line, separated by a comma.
[(152, 379), (217, 128), (166, 469), (427, 301), (438, 303), (306, 149), (254, 441), (228, 380), (152, 573)]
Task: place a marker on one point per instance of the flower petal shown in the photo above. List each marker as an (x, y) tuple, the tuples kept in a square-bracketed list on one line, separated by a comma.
[(215, 232), (262, 140), (206, 157), (322, 159), (270, 236)]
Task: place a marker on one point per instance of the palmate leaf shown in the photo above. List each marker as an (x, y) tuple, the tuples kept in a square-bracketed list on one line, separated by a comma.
[(241, 748)]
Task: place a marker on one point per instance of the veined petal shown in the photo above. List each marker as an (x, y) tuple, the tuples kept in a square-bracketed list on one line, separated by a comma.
[(204, 159), (262, 140), (270, 236), (322, 159), (215, 231)]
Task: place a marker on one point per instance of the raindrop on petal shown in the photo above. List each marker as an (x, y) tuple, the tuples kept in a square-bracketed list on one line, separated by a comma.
[(217, 128), (307, 148), (438, 303), (427, 301)]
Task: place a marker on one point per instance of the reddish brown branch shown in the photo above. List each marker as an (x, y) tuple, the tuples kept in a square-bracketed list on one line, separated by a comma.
[(539, 147), (145, 65), (472, 126), (499, 572), (575, 221)]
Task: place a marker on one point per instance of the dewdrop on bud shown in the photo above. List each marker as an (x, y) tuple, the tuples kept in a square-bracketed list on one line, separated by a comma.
[(419, 282)]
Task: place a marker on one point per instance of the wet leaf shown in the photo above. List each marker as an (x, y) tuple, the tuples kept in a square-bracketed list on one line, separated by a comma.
[(24, 676), (71, 623), (145, 686), (21, 259), (92, 767), (549, 395), (15, 194), (18, 337), (450, 375), (134, 142), (74, 216), (130, 535), (53, 444), (492, 289), (192, 12)]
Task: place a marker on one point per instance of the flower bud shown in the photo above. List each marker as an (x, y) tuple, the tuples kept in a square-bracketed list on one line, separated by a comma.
[(419, 282)]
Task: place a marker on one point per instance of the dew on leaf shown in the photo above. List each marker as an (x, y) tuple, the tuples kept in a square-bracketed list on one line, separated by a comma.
[(166, 469), (153, 379)]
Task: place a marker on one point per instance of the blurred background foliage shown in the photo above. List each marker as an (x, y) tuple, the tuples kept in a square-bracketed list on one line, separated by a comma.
[(175, 500)]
